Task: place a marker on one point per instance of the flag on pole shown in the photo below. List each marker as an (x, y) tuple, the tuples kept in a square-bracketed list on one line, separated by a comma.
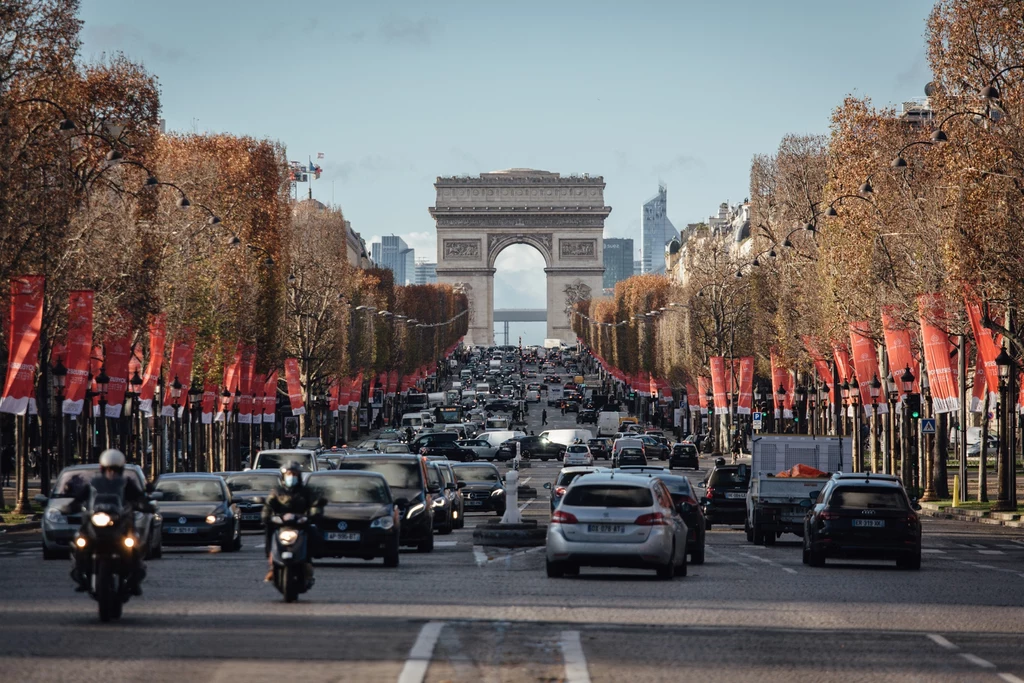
[(319, 155)]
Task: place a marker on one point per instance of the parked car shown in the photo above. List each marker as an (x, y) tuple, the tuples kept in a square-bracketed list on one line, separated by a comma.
[(248, 491), (360, 517), (564, 478), (616, 520), (863, 516), (725, 494), (406, 476), (484, 490), (578, 454), (58, 527), (684, 455), (197, 510), (600, 448)]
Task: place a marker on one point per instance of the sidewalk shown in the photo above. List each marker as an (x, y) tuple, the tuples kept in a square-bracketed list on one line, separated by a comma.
[(943, 511)]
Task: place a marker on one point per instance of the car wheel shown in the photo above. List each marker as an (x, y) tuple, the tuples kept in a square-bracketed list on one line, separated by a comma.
[(707, 525), (238, 543), (556, 570), (391, 555), (667, 572), (806, 553), (681, 570), (697, 555), (912, 562), (427, 544), (770, 537), (815, 557), (448, 527)]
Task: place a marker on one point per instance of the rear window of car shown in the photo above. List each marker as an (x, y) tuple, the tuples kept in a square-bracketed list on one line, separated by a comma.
[(631, 452), (867, 498), (350, 489), (398, 475), (609, 496), (677, 486), (684, 448), (576, 449), (729, 477)]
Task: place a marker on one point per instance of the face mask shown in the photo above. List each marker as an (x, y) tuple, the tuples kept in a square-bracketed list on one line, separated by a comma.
[(290, 480)]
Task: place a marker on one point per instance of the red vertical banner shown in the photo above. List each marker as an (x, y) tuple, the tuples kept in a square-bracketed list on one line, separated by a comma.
[(357, 391), (692, 398), (157, 339), (781, 378), (180, 370), (259, 383), (209, 404), (344, 390), (76, 382), (897, 346), (26, 324), (865, 361), (745, 401), (703, 384), (937, 353), (232, 368), (270, 399), (820, 364), (117, 349), (291, 376), (718, 385), (988, 349), (978, 393), (332, 397), (245, 385), (842, 358)]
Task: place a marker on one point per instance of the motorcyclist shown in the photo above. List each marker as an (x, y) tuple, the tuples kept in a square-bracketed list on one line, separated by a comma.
[(111, 480), (291, 497)]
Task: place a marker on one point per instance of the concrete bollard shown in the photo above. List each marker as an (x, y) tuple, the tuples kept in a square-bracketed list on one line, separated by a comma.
[(956, 490), (512, 515)]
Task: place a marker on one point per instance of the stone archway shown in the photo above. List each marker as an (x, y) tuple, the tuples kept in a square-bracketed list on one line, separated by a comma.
[(563, 218)]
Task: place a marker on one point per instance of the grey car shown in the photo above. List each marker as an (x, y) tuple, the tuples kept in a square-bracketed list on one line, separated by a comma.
[(59, 528)]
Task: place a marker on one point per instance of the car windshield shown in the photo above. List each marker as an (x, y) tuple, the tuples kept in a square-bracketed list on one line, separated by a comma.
[(729, 477), (684, 448), (240, 483), (868, 498), (399, 475), (351, 489), (190, 491), (433, 476), (275, 461), (477, 473), (609, 496)]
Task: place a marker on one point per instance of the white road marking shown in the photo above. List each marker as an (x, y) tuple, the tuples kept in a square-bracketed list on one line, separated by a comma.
[(787, 569), (942, 642), (991, 552), (445, 544), (1010, 678), (523, 506), (977, 661), (933, 551), (1008, 546), (415, 669), (526, 481), (575, 660)]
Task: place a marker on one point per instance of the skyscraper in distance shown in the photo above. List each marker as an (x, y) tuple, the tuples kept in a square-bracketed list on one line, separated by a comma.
[(394, 254), (618, 260), (656, 231)]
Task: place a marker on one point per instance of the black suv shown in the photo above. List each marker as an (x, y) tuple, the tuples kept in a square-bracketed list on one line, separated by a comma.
[(450, 450), (684, 455), (587, 417), (407, 478), (865, 516), (432, 439), (725, 495), (600, 448), (484, 490), (536, 447)]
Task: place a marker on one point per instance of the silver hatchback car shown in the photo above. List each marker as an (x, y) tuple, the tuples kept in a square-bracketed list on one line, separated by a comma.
[(616, 520)]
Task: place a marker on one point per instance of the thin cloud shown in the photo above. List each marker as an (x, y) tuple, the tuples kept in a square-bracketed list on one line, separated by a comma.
[(680, 162), (125, 38), (402, 30)]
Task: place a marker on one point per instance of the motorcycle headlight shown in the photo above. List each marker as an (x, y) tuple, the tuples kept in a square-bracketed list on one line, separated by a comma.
[(415, 510), (55, 516), (382, 523), (101, 519), (215, 519), (287, 536)]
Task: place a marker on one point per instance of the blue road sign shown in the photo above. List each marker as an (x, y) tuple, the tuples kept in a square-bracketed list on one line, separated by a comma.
[(928, 425), (757, 420)]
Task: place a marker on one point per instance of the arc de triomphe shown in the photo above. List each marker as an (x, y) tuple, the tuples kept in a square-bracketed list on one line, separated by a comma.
[(563, 218)]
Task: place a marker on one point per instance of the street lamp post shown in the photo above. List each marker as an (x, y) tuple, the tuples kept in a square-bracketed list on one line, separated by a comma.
[(801, 406), (195, 400), (875, 390), (906, 462), (858, 445), (102, 383), (59, 376), (889, 455), (176, 388), (1006, 495), (781, 393), (136, 443)]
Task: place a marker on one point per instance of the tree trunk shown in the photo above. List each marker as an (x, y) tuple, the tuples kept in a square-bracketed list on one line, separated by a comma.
[(983, 452), (940, 454)]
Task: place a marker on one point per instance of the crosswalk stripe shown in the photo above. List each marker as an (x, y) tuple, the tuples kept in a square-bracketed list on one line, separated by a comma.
[(415, 669)]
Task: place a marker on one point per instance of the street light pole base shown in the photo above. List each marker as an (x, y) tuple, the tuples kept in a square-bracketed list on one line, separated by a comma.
[(1003, 506)]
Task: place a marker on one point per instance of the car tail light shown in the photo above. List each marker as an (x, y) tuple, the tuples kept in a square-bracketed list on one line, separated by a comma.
[(559, 517), (690, 500), (559, 490), (825, 514), (711, 492), (912, 518), (651, 519)]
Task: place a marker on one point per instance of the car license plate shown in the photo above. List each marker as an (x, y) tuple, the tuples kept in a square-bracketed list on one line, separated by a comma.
[(474, 502), (869, 522), (341, 536), (734, 496), (606, 528), (253, 517), (182, 530)]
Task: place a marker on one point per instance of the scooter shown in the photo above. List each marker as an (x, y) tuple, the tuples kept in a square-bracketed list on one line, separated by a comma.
[(289, 551)]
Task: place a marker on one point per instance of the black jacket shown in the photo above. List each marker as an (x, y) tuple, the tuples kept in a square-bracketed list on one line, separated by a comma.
[(298, 501)]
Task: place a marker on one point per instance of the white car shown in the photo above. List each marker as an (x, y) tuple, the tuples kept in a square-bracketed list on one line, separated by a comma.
[(483, 448), (578, 454)]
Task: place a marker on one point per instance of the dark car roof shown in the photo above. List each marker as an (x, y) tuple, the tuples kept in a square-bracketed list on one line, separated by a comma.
[(395, 457), (345, 473), (191, 475)]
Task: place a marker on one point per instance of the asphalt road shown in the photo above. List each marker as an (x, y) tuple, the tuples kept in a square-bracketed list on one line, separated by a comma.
[(466, 613)]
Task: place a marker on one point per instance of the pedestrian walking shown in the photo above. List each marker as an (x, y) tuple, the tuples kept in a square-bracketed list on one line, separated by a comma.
[(563, 408), (543, 417)]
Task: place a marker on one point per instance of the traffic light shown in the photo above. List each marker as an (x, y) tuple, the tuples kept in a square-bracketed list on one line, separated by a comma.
[(914, 406)]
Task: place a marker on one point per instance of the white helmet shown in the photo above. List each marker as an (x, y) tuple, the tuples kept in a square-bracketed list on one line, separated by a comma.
[(112, 458)]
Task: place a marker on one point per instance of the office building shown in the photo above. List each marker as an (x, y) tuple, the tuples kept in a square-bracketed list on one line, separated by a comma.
[(618, 260), (656, 232), (426, 272), (394, 254)]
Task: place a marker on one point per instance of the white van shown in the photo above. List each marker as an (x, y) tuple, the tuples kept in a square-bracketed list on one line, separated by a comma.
[(414, 420), (436, 399), (533, 396), (499, 436), (567, 436), (607, 423)]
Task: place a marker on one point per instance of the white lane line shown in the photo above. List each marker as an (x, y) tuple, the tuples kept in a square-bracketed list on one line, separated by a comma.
[(523, 506), (526, 481), (788, 570), (1010, 678), (445, 544), (933, 551), (415, 669), (575, 660), (977, 661), (991, 552), (942, 642)]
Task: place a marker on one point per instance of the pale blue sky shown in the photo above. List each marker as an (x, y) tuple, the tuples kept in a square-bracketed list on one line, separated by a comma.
[(397, 93)]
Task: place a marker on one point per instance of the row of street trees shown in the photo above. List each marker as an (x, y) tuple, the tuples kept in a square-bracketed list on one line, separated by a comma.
[(912, 216)]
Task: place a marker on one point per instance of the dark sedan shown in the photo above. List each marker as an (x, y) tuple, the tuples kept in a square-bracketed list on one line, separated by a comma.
[(629, 456), (600, 448), (685, 500), (725, 495), (684, 455), (483, 491), (197, 510), (653, 448), (248, 490), (360, 518), (450, 450)]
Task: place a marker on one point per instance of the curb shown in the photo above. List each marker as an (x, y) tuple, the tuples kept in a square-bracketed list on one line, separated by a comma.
[(975, 518), (24, 526), (525, 535)]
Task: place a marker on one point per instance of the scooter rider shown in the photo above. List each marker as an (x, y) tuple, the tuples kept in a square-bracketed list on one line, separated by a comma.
[(292, 496), (111, 480)]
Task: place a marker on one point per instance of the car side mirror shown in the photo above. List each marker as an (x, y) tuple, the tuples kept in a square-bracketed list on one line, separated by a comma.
[(914, 504), (701, 485), (451, 487), (813, 497), (149, 487), (156, 495), (40, 498), (547, 485), (461, 485), (806, 503)]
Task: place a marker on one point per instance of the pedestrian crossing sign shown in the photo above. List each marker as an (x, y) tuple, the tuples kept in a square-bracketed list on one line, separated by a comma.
[(928, 425)]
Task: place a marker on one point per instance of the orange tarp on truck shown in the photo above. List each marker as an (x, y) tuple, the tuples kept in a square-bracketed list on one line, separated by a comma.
[(803, 472)]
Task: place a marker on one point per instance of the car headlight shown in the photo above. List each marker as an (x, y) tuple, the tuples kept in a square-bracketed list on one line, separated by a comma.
[(55, 516), (415, 510), (498, 492), (382, 523), (440, 502), (215, 519), (287, 536), (101, 519)]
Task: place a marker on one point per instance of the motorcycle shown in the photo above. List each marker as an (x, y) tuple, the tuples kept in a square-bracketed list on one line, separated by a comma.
[(289, 551), (105, 552)]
